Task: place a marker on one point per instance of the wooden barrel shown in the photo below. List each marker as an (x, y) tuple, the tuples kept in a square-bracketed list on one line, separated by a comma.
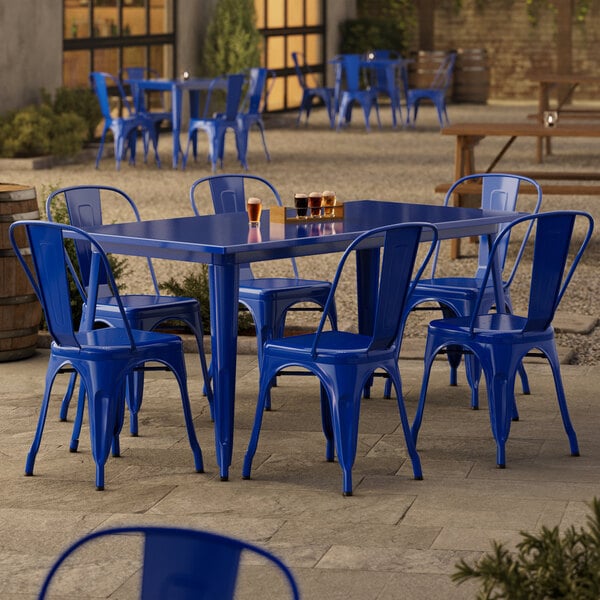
[(471, 76), (20, 311)]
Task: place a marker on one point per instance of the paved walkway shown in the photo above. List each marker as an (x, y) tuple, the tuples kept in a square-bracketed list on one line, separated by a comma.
[(395, 538)]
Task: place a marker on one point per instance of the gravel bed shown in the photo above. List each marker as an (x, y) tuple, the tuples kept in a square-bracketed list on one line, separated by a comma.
[(400, 165)]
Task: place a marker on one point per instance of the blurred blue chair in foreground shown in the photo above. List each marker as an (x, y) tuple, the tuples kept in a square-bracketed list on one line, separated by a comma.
[(177, 563), (344, 362), (501, 340)]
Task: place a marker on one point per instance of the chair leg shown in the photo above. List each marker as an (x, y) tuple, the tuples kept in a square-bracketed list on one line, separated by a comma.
[(66, 401), (327, 426), (77, 423), (37, 439)]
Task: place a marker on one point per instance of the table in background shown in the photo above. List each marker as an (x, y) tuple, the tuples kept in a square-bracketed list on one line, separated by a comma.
[(551, 81), (194, 86), (222, 241)]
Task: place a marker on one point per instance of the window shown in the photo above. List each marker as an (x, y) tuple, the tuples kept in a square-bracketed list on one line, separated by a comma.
[(107, 35), (291, 26)]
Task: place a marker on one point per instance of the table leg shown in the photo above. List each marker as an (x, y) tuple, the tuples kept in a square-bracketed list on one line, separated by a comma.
[(543, 106), (176, 108), (224, 295), (464, 164)]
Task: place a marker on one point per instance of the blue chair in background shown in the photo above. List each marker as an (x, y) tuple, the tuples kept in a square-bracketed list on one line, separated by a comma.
[(84, 206), (457, 295), (436, 92), (124, 128), (344, 362), (501, 340), (103, 357), (267, 298), (349, 90), (216, 124), (129, 76), (177, 563), (260, 83), (312, 92)]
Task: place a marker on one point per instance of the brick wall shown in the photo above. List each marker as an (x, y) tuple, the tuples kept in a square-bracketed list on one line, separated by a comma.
[(515, 48)]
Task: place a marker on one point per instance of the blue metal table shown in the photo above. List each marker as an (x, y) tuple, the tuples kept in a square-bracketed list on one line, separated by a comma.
[(224, 241), (176, 87)]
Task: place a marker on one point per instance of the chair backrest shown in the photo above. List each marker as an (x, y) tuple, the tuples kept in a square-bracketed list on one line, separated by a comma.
[(551, 234), (182, 564), (84, 209), (234, 91), (228, 194), (397, 277), (499, 192), (260, 84), (379, 74), (349, 72), (50, 269), (100, 83), (298, 58), (129, 75), (443, 76)]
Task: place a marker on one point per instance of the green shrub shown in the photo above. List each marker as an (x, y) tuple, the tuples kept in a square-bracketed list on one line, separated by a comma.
[(81, 101), (361, 35), (195, 285), (37, 130), (547, 565)]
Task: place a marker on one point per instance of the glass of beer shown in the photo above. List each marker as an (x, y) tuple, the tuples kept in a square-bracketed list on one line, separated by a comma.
[(328, 203), (254, 208), (315, 199), (301, 204)]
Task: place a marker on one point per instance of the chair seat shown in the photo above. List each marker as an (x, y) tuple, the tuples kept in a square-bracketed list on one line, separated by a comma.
[(493, 327), (282, 286), (142, 302), (332, 344), (97, 340)]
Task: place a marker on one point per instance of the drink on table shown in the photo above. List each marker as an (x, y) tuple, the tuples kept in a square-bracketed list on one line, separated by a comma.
[(301, 204), (254, 208), (328, 203), (315, 199)]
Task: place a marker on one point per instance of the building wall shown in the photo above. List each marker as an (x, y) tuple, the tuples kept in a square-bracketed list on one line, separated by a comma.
[(515, 48), (31, 50)]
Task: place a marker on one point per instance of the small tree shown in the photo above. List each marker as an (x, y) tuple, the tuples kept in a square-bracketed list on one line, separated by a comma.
[(232, 40)]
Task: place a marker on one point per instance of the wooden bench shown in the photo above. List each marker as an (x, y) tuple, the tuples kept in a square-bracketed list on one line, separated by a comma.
[(563, 183)]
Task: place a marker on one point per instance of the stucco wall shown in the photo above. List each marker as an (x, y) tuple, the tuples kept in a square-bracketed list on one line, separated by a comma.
[(30, 50)]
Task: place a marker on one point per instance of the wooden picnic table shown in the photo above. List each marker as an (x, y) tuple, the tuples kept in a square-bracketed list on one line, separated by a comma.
[(468, 136), (567, 83)]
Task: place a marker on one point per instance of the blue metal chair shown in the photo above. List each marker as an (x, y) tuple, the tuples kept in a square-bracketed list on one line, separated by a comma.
[(457, 296), (216, 125), (182, 564), (260, 84), (267, 298), (84, 205), (348, 90), (384, 72), (124, 128), (102, 357), (312, 91), (344, 362), (129, 76), (501, 340), (436, 92)]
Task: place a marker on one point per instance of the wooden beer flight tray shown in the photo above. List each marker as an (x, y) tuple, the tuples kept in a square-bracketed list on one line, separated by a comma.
[(288, 214)]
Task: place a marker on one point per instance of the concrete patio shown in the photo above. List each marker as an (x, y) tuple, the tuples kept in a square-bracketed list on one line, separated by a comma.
[(396, 537)]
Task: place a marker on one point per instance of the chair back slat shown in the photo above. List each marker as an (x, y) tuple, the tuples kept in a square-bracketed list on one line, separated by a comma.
[(84, 209), (551, 234), (398, 274), (228, 195), (399, 253)]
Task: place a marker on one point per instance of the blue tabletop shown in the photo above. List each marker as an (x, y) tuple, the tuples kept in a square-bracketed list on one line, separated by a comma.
[(193, 238)]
